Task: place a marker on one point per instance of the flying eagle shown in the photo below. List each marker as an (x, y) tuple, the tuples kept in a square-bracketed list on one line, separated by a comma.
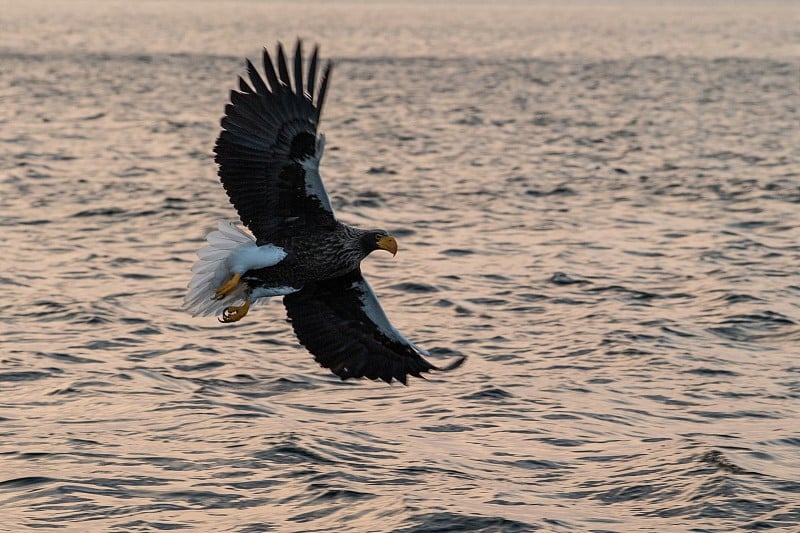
[(268, 154)]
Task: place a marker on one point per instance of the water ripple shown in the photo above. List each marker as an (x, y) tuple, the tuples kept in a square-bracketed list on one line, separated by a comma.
[(600, 213)]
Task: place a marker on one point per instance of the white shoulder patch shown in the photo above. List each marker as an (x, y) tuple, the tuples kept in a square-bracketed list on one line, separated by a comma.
[(314, 185), (252, 257), (374, 311)]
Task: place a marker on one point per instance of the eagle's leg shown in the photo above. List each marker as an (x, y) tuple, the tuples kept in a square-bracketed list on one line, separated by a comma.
[(228, 287), (234, 313)]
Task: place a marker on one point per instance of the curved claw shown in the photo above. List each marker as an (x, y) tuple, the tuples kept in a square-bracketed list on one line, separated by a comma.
[(234, 313), (228, 288)]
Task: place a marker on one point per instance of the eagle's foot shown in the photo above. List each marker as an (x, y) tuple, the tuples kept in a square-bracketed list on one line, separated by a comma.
[(234, 313), (228, 288)]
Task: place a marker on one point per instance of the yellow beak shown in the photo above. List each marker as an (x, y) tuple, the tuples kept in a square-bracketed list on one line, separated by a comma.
[(388, 243)]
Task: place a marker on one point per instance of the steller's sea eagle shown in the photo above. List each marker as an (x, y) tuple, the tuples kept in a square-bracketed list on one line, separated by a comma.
[(268, 154)]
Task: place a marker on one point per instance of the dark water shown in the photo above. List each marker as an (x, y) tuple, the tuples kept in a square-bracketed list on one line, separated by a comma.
[(599, 205)]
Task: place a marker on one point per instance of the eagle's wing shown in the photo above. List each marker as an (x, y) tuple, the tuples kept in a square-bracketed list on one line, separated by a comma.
[(268, 151), (341, 322)]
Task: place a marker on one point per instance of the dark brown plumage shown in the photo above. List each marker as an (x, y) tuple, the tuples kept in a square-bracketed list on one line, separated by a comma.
[(268, 155)]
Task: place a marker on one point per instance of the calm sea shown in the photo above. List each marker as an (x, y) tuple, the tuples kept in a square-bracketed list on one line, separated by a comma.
[(598, 203)]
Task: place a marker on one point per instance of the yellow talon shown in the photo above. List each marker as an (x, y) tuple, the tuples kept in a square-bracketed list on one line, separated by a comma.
[(228, 288), (234, 313)]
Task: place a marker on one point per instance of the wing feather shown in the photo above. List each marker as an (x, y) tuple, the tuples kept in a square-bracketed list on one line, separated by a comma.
[(283, 69), (255, 79), (342, 324), (267, 151), (323, 88), (269, 70), (244, 86), (298, 69), (312, 73)]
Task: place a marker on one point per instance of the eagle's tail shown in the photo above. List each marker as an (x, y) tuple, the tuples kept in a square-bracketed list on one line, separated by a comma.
[(213, 268)]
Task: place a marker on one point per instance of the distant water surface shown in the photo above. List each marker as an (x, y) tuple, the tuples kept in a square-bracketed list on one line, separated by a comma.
[(598, 204)]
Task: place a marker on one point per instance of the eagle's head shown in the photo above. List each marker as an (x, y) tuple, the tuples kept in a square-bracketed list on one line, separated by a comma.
[(378, 240)]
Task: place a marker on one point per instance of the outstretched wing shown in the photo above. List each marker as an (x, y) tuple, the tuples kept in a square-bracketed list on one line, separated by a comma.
[(342, 324), (268, 151)]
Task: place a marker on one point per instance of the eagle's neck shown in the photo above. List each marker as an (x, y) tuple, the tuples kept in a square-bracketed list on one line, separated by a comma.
[(352, 244)]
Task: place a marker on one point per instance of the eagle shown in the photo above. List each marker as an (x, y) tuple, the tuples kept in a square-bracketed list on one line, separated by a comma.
[(268, 154)]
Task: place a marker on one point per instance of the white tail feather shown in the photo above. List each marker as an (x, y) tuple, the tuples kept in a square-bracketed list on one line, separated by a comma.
[(230, 250)]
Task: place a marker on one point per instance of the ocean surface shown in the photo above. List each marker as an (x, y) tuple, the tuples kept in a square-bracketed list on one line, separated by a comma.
[(598, 203)]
